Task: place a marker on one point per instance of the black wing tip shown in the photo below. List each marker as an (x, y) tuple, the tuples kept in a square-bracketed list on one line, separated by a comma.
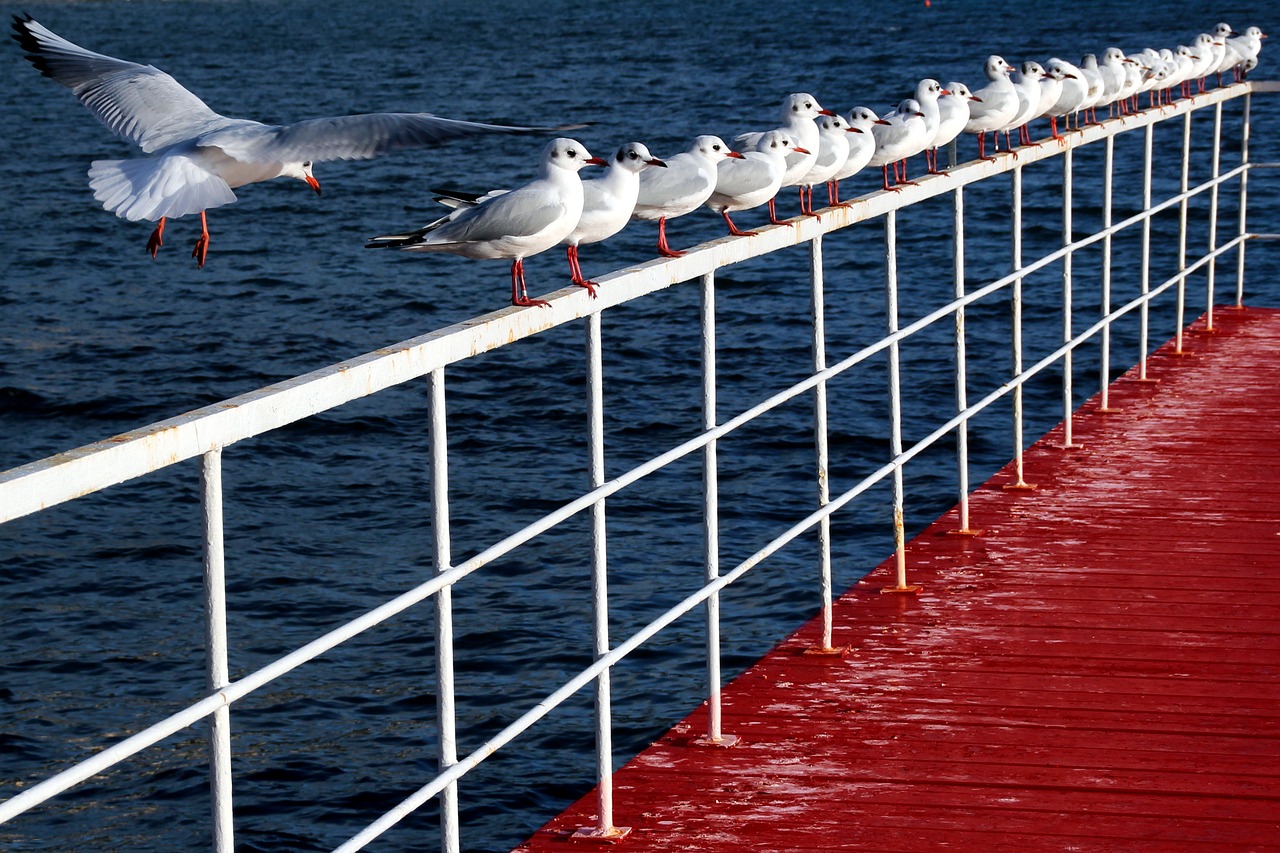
[(30, 43), (393, 241), (460, 195)]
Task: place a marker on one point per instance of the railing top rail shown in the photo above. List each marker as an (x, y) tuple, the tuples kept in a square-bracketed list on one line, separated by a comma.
[(74, 473)]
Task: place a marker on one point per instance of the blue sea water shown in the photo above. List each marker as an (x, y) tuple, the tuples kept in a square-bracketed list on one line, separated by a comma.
[(100, 600)]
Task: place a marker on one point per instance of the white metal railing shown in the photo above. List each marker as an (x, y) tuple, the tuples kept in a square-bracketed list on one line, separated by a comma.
[(206, 432)]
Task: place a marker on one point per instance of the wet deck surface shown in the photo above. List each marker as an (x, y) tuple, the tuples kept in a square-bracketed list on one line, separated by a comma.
[(1100, 670)]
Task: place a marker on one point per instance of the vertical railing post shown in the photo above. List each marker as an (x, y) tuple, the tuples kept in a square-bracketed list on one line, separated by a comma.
[(895, 404), (961, 368), (715, 735), (1244, 183), (1183, 207), (1068, 394), (1145, 278), (817, 304), (1108, 170), (1213, 215), (1015, 304), (217, 669), (446, 711), (604, 828)]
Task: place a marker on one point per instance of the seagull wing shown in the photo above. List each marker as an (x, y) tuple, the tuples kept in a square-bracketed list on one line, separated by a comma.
[(519, 213), (139, 102)]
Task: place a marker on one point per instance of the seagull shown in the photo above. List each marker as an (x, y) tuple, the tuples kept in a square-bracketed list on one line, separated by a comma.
[(953, 115), (1089, 68), (799, 111), (754, 179), (1071, 90), (1026, 82), (682, 187), (928, 91), (862, 144), (198, 156), (607, 203), (833, 151), (994, 105), (1112, 69), (899, 135), (1248, 46), (513, 224)]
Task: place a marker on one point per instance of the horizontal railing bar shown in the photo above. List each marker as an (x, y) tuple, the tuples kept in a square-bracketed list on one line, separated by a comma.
[(96, 466)]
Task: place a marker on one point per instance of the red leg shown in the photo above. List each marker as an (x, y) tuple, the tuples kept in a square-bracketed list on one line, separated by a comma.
[(663, 249), (519, 293), (201, 251), (773, 214), (156, 240), (733, 229), (575, 272)]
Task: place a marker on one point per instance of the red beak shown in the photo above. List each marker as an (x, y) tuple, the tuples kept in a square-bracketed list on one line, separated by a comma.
[(596, 161), (855, 130), (975, 98), (313, 183), (825, 113), (656, 162), (735, 155)]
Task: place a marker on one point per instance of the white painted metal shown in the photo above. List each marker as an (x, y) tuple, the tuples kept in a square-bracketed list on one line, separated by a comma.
[(1183, 208), (206, 431), (604, 827), (1213, 215), (711, 506), (819, 348), (1145, 277), (1244, 192), (217, 673), (446, 705), (1108, 172), (1068, 402), (961, 363), (1015, 308), (895, 395)]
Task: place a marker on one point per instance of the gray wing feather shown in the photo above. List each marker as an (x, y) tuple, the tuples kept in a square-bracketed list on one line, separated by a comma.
[(356, 137), (139, 102), (517, 213)]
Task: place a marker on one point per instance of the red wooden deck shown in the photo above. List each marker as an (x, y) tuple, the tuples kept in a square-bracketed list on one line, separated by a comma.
[(1099, 671)]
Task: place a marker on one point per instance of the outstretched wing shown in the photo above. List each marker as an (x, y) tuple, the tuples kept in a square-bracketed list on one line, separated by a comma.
[(139, 102), (357, 137)]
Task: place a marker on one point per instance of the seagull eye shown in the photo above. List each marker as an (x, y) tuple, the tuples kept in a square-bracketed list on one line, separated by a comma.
[(572, 153), (715, 147)]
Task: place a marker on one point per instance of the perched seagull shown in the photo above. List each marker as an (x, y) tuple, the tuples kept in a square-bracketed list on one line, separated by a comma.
[(1089, 68), (1067, 89), (899, 135), (1026, 82), (833, 152), (1204, 58), (1228, 56), (607, 203), (1112, 69), (799, 112), (928, 91), (994, 105), (754, 179), (682, 187), (198, 156), (862, 145), (1248, 46), (953, 115), (513, 224)]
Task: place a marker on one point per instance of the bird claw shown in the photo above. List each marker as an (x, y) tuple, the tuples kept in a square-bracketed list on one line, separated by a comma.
[(201, 251), (156, 240), (670, 253), (526, 302), (589, 285)]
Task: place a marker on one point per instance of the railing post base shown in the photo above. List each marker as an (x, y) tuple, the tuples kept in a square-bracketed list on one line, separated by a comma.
[(1020, 486), (827, 651), (596, 835), (723, 741), (966, 532), (901, 590)]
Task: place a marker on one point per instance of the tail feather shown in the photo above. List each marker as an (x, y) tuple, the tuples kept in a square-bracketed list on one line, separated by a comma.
[(151, 187)]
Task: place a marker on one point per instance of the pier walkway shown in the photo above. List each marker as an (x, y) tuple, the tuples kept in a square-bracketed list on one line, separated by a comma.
[(1098, 670)]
